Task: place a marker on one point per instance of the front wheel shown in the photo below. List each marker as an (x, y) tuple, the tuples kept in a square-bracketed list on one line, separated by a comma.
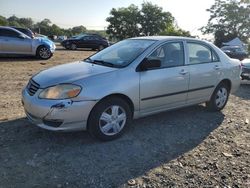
[(219, 98), (73, 47), (109, 119), (44, 53)]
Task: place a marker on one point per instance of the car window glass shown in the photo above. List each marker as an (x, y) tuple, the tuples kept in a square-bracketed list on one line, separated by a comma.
[(215, 57), (8, 33), (170, 54), (199, 53)]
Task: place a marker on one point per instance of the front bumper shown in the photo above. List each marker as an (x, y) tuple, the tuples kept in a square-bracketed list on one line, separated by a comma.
[(57, 115), (53, 48), (245, 73)]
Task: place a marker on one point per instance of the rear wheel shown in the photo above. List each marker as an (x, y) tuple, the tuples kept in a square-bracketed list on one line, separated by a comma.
[(109, 119), (43, 52), (219, 98)]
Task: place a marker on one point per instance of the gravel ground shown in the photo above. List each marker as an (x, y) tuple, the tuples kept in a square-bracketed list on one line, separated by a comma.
[(190, 147)]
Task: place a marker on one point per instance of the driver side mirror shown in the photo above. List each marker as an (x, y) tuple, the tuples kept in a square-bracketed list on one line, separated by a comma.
[(148, 64)]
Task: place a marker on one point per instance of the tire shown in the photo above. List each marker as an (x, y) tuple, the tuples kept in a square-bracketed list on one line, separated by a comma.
[(73, 47), (109, 119), (219, 98), (43, 52), (101, 47)]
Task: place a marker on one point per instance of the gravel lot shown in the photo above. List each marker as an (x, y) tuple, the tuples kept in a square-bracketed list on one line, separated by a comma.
[(190, 147)]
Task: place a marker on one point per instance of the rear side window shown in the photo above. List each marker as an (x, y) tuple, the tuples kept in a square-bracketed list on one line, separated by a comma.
[(8, 33), (199, 53), (170, 54)]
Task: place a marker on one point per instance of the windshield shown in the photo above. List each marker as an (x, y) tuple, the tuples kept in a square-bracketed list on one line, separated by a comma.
[(122, 53)]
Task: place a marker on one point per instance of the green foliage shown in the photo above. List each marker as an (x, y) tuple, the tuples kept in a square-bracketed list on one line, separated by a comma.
[(229, 18), (153, 19), (124, 22), (3, 21), (78, 29), (150, 20), (175, 31)]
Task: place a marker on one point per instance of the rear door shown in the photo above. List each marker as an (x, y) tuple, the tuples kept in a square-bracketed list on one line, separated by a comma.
[(167, 86), (205, 69), (12, 43)]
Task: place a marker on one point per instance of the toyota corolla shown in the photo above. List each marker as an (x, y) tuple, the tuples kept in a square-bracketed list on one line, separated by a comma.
[(130, 79)]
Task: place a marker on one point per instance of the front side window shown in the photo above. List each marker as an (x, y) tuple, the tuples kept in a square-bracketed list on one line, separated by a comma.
[(8, 33), (170, 54), (199, 53)]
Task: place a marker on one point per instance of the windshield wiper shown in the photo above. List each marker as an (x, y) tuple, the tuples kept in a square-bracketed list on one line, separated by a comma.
[(99, 62), (88, 60)]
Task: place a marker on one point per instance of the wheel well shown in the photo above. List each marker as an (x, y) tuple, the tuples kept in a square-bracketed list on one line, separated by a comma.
[(228, 83), (124, 97)]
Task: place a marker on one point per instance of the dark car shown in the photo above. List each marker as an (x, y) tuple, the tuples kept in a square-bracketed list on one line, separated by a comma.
[(245, 75), (235, 52), (93, 41), (26, 31)]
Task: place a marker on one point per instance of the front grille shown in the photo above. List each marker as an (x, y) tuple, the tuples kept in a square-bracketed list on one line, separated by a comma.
[(32, 87)]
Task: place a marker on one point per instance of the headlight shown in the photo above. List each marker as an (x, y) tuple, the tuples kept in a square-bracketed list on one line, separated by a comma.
[(63, 91)]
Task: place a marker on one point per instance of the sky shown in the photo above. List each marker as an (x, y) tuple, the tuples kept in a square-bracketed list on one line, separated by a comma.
[(190, 15)]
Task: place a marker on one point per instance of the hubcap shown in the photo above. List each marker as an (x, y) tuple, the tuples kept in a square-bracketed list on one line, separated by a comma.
[(73, 46), (221, 97), (44, 53), (112, 120)]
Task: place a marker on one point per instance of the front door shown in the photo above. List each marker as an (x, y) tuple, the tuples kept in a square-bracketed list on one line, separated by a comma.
[(167, 86)]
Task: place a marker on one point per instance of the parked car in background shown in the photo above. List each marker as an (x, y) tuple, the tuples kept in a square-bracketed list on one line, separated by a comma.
[(14, 42), (93, 41), (235, 52), (245, 75), (61, 38), (130, 79), (26, 31)]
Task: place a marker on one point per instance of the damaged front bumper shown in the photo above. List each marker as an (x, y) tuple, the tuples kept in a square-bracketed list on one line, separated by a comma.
[(57, 115)]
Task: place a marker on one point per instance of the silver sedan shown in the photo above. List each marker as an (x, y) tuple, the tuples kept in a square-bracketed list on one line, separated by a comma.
[(130, 79)]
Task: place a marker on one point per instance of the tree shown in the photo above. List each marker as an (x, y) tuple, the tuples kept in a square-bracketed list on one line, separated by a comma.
[(26, 22), (43, 27), (3, 21), (150, 20), (175, 31), (229, 18), (124, 22), (78, 30), (14, 21), (153, 19)]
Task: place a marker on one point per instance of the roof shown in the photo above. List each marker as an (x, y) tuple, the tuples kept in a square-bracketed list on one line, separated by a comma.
[(166, 38)]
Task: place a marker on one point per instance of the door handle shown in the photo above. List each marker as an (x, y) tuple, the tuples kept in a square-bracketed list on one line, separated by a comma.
[(183, 72), (216, 67)]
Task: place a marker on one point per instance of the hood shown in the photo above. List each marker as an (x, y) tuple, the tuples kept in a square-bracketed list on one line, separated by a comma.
[(42, 39), (68, 73)]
